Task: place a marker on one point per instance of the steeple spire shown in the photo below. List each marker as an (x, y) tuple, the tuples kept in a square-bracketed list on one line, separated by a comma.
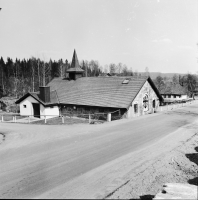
[(75, 63), (75, 71)]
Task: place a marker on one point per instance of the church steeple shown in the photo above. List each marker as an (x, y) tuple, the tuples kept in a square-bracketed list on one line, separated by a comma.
[(75, 63), (75, 71)]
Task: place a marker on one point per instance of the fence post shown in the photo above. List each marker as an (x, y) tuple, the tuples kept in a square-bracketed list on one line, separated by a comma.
[(13, 119), (108, 117), (45, 119), (89, 118), (29, 119), (63, 119), (2, 118)]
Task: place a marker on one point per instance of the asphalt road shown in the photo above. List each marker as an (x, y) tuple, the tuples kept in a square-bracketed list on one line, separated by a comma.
[(39, 165)]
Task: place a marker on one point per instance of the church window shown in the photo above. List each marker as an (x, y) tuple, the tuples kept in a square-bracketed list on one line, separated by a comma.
[(145, 103)]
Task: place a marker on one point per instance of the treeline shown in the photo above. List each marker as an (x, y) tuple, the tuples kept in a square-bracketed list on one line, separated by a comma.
[(185, 84), (21, 76)]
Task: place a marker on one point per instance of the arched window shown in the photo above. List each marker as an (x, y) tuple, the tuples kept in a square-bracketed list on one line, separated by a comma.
[(145, 103)]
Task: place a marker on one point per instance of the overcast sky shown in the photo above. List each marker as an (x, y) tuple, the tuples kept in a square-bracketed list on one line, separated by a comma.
[(159, 34)]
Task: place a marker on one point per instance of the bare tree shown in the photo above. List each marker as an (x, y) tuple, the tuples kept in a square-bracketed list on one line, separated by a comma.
[(119, 68), (112, 68)]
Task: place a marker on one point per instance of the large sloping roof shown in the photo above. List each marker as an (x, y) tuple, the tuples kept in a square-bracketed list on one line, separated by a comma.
[(99, 91)]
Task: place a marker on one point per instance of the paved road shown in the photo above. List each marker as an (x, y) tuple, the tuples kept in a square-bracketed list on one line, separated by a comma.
[(39, 166)]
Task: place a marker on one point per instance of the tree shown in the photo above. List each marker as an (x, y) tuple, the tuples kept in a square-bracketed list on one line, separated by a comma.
[(2, 75), (136, 73), (94, 66), (125, 70), (175, 79), (159, 82), (112, 68), (119, 68), (189, 81), (106, 69)]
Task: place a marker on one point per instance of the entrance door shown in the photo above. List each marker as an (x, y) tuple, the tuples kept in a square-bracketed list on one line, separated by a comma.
[(153, 103), (36, 108)]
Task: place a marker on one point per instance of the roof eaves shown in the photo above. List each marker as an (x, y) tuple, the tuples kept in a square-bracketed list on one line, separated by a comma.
[(155, 89)]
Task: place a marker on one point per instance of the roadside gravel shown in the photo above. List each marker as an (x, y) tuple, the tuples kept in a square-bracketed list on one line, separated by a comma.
[(175, 164)]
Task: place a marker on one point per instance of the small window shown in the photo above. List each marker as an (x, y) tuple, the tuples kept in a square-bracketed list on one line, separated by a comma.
[(135, 108), (169, 96), (24, 106), (51, 106), (126, 81)]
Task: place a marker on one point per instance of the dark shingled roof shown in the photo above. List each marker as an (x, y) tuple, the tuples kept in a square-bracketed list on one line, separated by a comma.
[(176, 89), (99, 91), (35, 95)]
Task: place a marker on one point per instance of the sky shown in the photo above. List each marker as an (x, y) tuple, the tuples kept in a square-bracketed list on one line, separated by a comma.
[(161, 35)]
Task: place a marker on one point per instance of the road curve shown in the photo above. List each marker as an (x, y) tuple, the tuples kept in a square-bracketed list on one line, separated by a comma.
[(50, 156)]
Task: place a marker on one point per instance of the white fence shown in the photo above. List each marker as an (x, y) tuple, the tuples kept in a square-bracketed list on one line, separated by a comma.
[(175, 106), (14, 117)]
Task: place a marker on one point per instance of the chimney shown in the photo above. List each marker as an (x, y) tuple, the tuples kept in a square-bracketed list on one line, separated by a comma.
[(45, 93)]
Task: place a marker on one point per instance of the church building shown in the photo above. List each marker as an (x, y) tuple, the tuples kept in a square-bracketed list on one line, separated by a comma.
[(131, 96)]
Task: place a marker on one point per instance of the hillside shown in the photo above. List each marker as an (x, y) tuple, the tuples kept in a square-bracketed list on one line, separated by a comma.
[(153, 75)]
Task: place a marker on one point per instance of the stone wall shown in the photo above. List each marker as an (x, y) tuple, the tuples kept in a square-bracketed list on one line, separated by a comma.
[(148, 91), (86, 110)]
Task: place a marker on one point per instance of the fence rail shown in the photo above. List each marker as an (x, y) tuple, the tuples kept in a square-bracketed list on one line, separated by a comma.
[(92, 117), (175, 105)]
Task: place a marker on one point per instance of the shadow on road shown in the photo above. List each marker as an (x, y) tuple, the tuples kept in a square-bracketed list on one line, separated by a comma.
[(193, 157), (148, 197)]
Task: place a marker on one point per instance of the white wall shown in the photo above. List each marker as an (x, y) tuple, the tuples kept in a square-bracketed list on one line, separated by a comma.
[(29, 108), (53, 111), (43, 110), (184, 96)]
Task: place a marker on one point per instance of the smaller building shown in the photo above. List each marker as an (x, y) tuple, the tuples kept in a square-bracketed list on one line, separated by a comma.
[(39, 104), (195, 92), (175, 94)]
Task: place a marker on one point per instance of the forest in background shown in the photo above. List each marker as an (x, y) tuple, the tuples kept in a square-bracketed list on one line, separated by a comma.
[(21, 76)]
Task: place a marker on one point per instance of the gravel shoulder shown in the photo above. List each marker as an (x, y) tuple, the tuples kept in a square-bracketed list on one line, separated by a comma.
[(175, 162)]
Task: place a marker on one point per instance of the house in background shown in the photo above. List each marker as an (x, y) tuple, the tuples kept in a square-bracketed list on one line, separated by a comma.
[(175, 94), (195, 92), (129, 96)]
